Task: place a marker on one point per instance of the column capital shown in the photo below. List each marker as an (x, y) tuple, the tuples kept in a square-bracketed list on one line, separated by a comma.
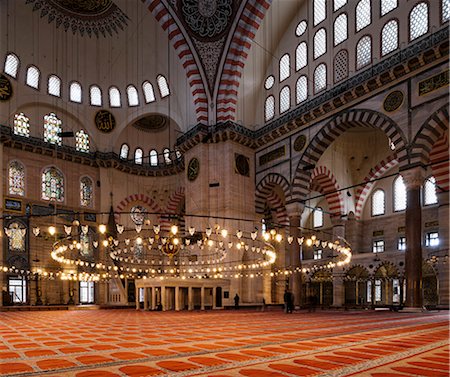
[(413, 178), (337, 221), (295, 209)]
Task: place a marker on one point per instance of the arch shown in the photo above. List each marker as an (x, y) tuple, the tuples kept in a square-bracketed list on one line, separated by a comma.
[(175, 206), (276, 203), (324, 181), (330, 132), (266, 186), (386, 270), (357, 273), (141, 198), (439, 156), (432, 130), (362, 193)]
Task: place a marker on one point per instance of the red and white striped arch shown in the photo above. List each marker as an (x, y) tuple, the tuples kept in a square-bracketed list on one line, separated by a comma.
[(186, 56), (277, 205), (323, 181), (376, 172), (141, 199), (249, 22), (439, 156), (176, 199)]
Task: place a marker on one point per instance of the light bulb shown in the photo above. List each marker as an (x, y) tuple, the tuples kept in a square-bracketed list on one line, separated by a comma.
[(175, 241), (139, 241), (208, 231), (105, 243), (308, 242), (239, 234), (191, 230), (224, 233), (254, 235), (278, 237), (102, 228), (174, 229), (52, 230), (266, 236)]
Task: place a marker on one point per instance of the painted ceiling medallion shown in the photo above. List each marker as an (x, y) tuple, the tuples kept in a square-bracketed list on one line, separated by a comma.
[(152, 123), (207, 18), (91, 17)]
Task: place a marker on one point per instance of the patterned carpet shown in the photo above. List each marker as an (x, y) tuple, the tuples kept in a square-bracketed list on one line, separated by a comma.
[(102, 343)]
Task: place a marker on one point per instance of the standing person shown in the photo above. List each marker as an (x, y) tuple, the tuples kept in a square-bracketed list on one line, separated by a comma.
[(286, 297), (263, 309), (291, 302), (236, 301)]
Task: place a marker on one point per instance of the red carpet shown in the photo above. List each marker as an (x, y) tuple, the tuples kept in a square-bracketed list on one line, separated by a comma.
[(223, 343)]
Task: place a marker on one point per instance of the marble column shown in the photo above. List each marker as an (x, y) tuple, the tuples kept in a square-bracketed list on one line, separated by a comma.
[(202, 294), (153, 305), (338, 272), (214, 297), (190, 298), (137, 298), (177, 298), (145, 298), (163, 297), (413, 179)]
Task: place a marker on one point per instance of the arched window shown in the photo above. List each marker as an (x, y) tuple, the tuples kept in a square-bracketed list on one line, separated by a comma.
[(52, 129), (378, 203), (320, 78), (16, 178), (387, 6), (320, 43), (11, 65), (340, 29), (114, 97), (124, 151), (320, 11), (389, 37), (285, 67), (149, 94), (363, 14), (153, 158), (133, 97), (82, 141), (429, 191), (138, 156), (445, 10), (301, 56), (399, 194), (21, 125), (302, 89), (86, 192), (33, 76), (341, 66), (75, 92), (364, 52), (162, 86), (301, 28), (268, 83), (52, 185), (418, 21), (338, 4), (269, 108), (96, 95), (318, 217), (166, 154), (54, 86), (285, 99)]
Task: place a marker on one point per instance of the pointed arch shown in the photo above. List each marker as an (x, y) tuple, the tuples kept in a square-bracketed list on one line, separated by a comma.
[(141, 198), (175, 205), (330, 132), (439, 157), (362, 193), (324, 181), (386, 270), (266, 186)]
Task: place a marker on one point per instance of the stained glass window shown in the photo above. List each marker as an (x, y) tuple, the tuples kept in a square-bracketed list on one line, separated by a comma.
[(378, 203), (285, 67), (301, 56), (320, 78), (86, 192), (54, 86), (11, 65), (32, 78), (320, 43), (285, 99), (124, 151), (21, 125), (114, 97), (153, 158), (429, 191), (96, 95), (363, 14), (82, 141), (138, 214), (389, 37), (52, 127), (418, 21), (320, 11), (75, 92), (133, 97), (52, 185), (166, 154), (269, 108), (302, 89), (399, 194), (318, 217), (340, 29), (363, 52), (138, 156), (341, 66), (338, 4), (387, 6), (445, 10), (163, 86), (16, 178), (16, 236), (149, 94)]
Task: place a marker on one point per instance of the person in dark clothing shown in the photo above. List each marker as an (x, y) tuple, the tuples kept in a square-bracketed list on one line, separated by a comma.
[(236, 301), (288, 301)]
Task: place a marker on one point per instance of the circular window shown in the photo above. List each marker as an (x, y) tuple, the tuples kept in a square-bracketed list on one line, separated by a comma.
[(301, 28), (270, 80)]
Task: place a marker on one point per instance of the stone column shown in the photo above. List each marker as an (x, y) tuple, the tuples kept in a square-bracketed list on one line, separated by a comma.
[(338, 273), (443, 266), (202, 298), (163, 297), (153, 306), (177, 298), (214, 297), (145, 298), (136, 295), (389, 291), (413, 179), (190, 298), (295, 211)]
